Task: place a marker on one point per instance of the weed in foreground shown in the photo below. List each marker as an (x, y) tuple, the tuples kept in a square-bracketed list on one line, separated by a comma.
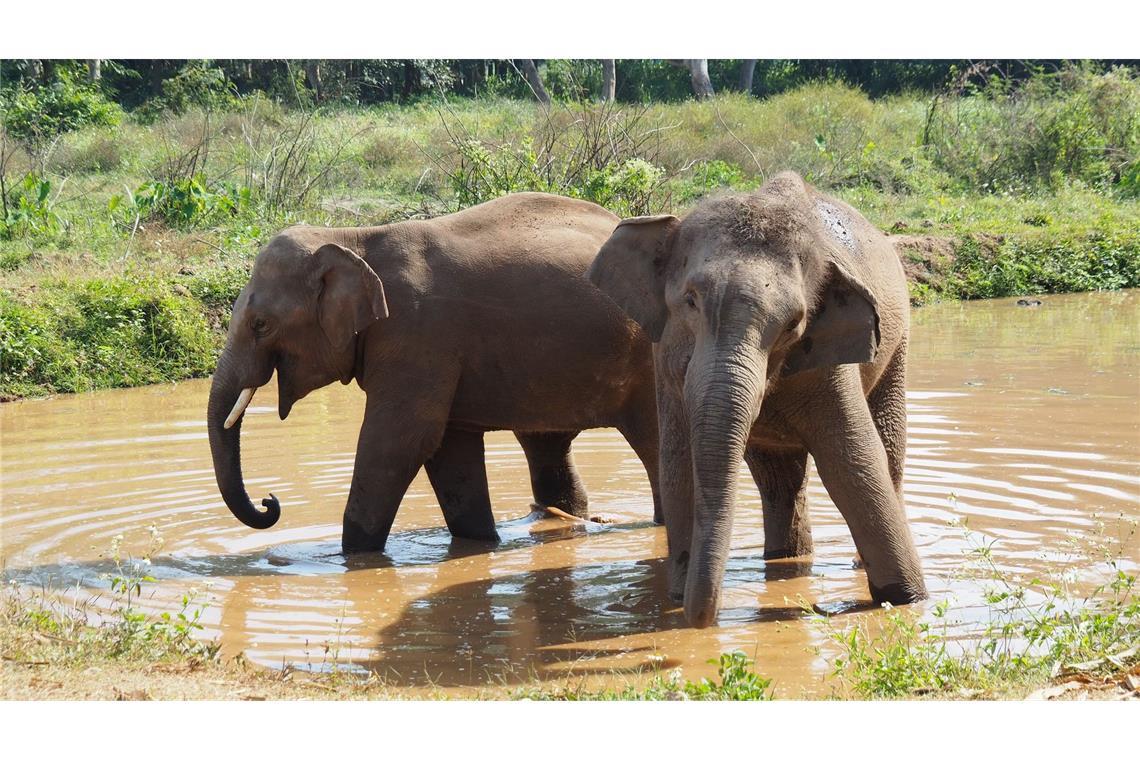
[(736, 680), (1038, 630)]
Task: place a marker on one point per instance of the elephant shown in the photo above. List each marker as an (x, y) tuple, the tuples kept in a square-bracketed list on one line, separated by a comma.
[(780, 321), (474, 321)]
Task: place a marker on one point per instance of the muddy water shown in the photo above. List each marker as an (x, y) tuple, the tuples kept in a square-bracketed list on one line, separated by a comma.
[(1024, 422)]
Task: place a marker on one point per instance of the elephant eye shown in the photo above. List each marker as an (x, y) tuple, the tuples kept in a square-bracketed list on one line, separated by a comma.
[(691, 300), (259, 325)]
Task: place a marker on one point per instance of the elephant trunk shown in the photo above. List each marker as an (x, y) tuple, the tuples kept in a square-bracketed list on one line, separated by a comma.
[(725, 408), (225, 447)]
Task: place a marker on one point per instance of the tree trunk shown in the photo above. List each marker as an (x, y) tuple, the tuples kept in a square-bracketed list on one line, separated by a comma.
[(699, 75), (747, 69), (313, 75), (530, 71), (94, 69), (609, 79)]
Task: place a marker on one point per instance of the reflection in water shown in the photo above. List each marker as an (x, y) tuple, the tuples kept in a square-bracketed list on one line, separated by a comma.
[(1023, 422)]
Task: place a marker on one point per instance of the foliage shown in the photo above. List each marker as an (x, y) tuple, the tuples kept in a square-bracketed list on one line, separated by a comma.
[(182, 204), (1076, 124), (104, 333), (1035, 264), (200, 192), (29, 209), (736, 680), (124, 631), (600, 153), (1038, 629), (39, 114)]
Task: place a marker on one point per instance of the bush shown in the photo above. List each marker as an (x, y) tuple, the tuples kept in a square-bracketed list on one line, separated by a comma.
[(1075, 125), (1036, 264), (39, 114), (117, 332), (197, 85), (28, 209), (184, 203)]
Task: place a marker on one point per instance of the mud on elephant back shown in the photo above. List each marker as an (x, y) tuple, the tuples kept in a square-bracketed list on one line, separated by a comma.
[(480, 320), (780, 322)]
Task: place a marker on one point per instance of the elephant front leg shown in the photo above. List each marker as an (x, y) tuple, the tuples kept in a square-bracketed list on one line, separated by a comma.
[(781, 476), (553, 479), (852, 463), (676, 485), (388, 456), (458, 474)]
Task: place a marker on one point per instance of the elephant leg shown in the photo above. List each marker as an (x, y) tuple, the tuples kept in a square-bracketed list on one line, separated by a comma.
[(388, 456), (458, 475), (888, 408), (676, 476), (640, 431), (781, 476), (841, 435), (553, 479)]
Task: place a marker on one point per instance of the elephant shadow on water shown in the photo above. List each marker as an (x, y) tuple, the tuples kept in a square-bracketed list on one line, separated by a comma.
[(551, 623), (534, 624)]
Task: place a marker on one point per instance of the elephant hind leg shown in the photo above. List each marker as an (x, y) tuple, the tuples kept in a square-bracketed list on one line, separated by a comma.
[(458, 475), (781, 476), (553, 479), (640, 432)]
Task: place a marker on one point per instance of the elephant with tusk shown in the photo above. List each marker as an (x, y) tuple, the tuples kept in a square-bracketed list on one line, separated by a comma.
[(475, 321)]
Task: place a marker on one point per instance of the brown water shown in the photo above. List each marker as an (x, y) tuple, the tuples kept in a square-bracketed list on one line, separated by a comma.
[(1025, 422)]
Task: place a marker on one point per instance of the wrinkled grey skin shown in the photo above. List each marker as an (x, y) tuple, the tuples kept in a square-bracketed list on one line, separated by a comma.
[(475, 321), (780, 323)]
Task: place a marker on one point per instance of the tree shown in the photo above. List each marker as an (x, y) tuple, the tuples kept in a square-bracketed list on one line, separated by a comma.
[(313, 76), (530, 71), (698, 75), (609, 79), (94, 70), (747, 69)]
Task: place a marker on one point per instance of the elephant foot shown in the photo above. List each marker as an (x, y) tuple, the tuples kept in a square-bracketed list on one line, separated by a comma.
[(474, 526), (897, 594), (770, 554), (356, 539), (477, 535)]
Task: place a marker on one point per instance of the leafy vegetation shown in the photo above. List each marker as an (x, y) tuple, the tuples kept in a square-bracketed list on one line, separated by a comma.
[(1038, 630), (1002, 186), (736, 681)]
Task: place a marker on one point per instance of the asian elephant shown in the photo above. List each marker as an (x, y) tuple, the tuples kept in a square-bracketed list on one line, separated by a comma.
[(780, 323), (475, 321)]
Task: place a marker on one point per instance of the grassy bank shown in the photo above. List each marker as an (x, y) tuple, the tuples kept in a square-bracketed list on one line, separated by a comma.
[(122, 248)]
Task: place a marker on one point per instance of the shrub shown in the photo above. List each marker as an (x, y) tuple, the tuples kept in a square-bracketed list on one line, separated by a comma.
[(197, 85), (28, 209), (40, 114), (1073, 125), (117, 332), (184, 203)]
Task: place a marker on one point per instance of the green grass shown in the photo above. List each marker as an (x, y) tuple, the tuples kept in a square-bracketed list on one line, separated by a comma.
[(119, 265)]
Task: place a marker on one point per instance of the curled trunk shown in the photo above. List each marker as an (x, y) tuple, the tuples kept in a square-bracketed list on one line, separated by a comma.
[(225, 447)]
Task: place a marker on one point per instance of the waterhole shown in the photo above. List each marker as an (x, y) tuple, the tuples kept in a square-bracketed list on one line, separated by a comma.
[(1024, 425)]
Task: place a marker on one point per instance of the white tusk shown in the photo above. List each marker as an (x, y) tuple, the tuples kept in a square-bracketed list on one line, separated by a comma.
[(239, 407)]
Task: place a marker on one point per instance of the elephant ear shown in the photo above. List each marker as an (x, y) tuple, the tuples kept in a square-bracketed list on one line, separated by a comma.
[(630, 269), (842, 329), (350, 295)]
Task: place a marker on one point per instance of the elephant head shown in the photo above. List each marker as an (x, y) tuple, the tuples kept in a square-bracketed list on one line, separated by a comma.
[(300, 315), (743, 292)]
